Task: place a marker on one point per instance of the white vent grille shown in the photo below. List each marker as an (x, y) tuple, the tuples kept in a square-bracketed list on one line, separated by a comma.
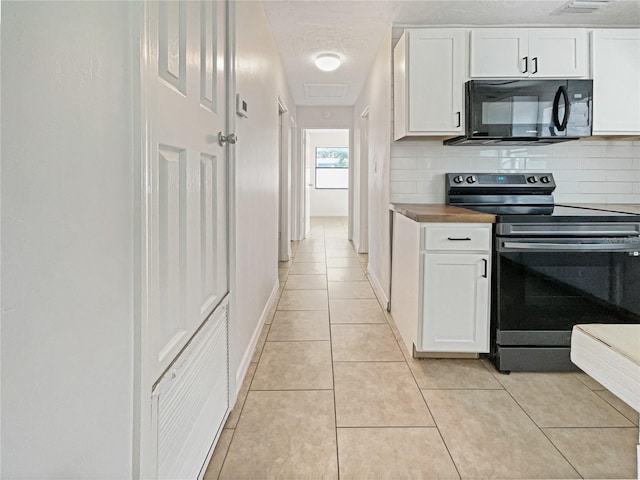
[(582, 6), (325, 90), (191, 401)]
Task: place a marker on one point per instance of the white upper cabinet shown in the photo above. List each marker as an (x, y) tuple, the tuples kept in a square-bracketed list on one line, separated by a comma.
[(429, 74), (559, 52), (521, 53), (498, 52), (615, 64)]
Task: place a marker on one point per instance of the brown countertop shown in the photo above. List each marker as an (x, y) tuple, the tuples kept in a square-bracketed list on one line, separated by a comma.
[(610, 207), (441, 213)]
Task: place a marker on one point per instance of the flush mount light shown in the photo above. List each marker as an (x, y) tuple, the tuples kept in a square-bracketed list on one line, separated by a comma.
[(328, 62), (583, 6)]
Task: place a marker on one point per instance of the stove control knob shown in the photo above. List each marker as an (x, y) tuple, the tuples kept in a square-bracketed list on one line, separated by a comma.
[(545, 179), (472, 179), (532, 179), (458, 179)]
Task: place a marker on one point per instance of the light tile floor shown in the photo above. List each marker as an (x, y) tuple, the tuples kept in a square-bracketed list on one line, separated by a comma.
[(331, 393)]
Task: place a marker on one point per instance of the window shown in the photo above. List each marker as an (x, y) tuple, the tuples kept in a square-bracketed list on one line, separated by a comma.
[(332, 167)]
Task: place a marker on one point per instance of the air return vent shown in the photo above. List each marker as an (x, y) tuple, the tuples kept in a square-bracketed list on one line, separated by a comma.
[(325, 90), (191, 400), (582, 6)]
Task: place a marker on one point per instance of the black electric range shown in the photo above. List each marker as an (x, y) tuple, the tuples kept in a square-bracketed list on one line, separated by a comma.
[(554, 267)]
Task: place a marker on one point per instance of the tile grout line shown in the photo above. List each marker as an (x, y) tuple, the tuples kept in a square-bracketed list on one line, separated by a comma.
[(249, 390), (559, 451), (333, 372), (584, 428), (389, 319), (404, 359), (575, 469), (233, 434)]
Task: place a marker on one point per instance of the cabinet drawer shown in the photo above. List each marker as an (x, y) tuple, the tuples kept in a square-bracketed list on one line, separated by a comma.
[(463, 238)]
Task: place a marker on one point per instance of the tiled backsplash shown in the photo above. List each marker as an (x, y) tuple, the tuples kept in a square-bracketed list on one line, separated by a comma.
[(586, 171)]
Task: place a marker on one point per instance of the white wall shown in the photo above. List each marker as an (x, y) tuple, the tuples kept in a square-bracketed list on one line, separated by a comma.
[(67, 226), (316, 118), (324, 117), (325, 202), (377, 96), (260, 79)]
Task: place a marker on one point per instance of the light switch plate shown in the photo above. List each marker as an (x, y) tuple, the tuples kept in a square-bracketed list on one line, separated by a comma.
[(242, 108)]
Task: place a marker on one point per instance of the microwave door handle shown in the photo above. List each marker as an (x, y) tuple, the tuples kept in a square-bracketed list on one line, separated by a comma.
[(562, 91)]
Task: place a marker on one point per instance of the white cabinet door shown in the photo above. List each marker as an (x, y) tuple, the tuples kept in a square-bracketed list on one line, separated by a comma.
[(429, 82), (558, 52), (499, 52), (435, 67), (616, 82), (455, 302), (518, 53)]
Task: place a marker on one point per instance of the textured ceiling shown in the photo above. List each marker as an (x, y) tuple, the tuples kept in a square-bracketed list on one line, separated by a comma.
[(354, 29)]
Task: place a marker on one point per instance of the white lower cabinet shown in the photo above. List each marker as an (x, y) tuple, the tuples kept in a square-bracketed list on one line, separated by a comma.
[(440, 285), (455, 302)]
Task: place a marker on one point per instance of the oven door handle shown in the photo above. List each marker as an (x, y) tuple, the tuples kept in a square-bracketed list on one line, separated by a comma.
[(571, 247)]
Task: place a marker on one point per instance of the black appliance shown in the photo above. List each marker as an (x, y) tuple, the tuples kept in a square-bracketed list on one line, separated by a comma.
[(553, 267), (526, 112)]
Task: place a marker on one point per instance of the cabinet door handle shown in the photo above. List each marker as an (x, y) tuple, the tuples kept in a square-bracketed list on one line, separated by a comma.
[(535, 65), (454, 239), (486, 267), (526, 64), (459, 119)]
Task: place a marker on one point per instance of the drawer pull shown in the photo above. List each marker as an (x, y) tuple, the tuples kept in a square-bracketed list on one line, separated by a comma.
[(454, 239)]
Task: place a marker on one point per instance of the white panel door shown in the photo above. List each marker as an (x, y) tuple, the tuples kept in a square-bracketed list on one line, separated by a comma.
[(185, 205)]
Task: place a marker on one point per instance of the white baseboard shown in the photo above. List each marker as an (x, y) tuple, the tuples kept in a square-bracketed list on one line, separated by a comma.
[(361, 247), (377, 287), (243, 368)]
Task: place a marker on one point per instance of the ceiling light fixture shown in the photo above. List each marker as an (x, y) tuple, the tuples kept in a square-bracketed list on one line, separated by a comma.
[(583, 6), (328, 62)]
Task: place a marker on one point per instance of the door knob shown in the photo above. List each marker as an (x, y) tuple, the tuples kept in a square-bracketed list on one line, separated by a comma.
[(232, 138)]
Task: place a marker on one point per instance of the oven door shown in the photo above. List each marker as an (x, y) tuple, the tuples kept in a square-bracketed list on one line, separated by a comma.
[(543, 287)]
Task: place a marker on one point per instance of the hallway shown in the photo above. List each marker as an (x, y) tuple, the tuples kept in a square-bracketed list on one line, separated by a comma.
[(331, 393)]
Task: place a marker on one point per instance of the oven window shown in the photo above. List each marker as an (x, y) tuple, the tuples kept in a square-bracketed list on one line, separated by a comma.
[(556, 290)]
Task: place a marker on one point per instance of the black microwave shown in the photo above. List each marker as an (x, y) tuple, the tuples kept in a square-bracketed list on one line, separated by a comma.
[(518, 112)]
